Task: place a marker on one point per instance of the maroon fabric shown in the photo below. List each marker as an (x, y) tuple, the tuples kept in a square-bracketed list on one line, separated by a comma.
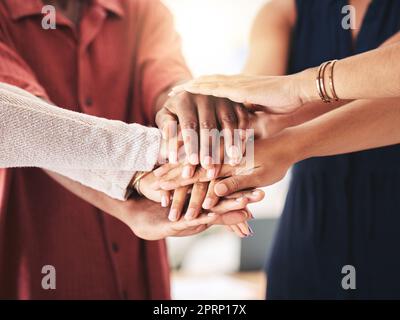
[(114, 65)]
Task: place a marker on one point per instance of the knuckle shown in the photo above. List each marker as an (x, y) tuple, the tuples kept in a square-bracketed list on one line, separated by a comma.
[(228, 118), (201, 186), (207, 125), (189, 124), (234, 184)]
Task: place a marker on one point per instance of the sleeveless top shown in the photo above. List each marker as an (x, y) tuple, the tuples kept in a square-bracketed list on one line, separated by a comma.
[(340, 210)]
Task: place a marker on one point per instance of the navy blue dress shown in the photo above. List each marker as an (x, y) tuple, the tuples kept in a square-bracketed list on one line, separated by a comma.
[(340, 210)]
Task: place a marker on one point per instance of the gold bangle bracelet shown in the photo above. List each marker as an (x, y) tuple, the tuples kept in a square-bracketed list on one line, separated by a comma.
[(321, 82), (331, 82), (135, 183)]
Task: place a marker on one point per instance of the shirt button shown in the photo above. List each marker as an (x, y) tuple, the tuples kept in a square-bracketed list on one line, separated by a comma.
[(89, 102), (115, 247)]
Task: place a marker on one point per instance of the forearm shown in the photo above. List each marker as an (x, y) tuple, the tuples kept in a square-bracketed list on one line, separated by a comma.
[(37, 134), (96, 198), (371, 75), (360, 125), (311, 111)]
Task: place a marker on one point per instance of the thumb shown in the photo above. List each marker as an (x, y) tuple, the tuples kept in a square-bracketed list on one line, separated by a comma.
[(233, 184), (167, 123)]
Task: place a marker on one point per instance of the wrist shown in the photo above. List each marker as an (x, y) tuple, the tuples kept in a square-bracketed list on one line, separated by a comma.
[(304, 85), (295, 147), (299, 145)]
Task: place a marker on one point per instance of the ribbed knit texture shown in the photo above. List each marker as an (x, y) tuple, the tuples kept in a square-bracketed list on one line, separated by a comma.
[(99, 153)]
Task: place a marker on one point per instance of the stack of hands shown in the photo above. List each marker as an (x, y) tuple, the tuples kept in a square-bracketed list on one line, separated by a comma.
[(204, 143), (208, 168)]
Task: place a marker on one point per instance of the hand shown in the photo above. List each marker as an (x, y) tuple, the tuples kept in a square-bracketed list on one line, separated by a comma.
[(203, 197), (234, 203), (282, 94), (150, 222), (273, 157), (148, 188), (197, 115), (266, 124)]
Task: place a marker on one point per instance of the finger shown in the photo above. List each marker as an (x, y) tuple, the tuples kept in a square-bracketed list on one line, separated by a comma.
[(173, 179), (167, 122), (164, 119), (197, 197), (238, 231), (165, 198), (186, 111), (207, 122), (164, 169), (202, 219), (254, 195), (219, 90), (243, 124), (243, 117), (178, 203), (173, 143), (246, 229), (217, 155), (230, 205), (228, 122), (186, 232), (208, 79), (231, 218), (233, 184), (211, 198)]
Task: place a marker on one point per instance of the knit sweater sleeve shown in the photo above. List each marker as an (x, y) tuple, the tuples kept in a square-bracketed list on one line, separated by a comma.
[(97, 152)]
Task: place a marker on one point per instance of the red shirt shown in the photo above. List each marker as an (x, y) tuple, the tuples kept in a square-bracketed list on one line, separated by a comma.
[(114, 65)]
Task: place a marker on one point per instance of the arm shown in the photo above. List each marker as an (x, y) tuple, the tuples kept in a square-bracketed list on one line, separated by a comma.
[(360, 125), (15, 71), (270, 39), (371, 75), (146, 219), (37, 134)]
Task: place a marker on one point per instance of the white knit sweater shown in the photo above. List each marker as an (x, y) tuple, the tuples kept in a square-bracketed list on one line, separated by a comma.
[(99, 153)]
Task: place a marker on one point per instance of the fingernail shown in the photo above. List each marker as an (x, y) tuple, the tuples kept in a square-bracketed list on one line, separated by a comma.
[(171, 94), (207, 161), (173, 215), (211, 214), (239, 199), (173, 158), (194, 159), (186, 172), (164, 201), (221, 189), (251, 232), (207, 204), (190, 214), (234, 152), (211, 173)]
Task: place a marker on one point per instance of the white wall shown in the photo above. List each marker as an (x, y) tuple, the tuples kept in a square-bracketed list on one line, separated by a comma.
[(214, 32)]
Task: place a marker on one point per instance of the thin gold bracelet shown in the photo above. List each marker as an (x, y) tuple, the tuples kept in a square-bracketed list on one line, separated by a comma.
[(331, 82), (135, 183)]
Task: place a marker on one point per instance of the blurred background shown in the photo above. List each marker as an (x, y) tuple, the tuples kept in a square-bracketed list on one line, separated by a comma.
[(217, 264)]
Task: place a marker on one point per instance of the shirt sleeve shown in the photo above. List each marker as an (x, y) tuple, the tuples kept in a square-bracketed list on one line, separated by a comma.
[(99, 153), (161, 62)]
